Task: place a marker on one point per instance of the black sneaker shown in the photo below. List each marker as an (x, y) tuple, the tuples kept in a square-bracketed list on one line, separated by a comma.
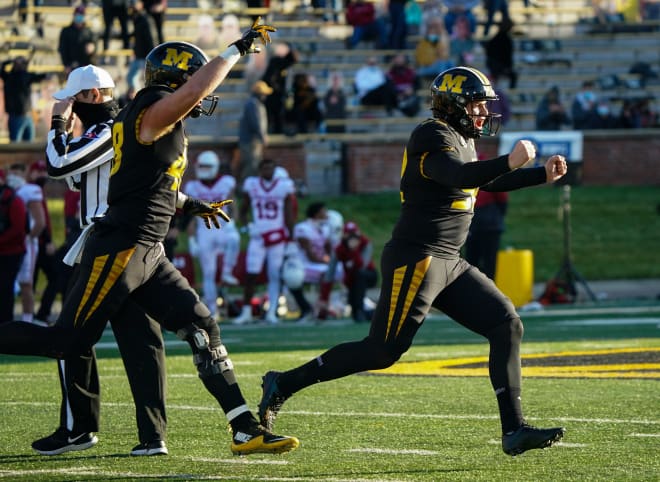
[(528, 437), (258, 440), (271, 400), (62, 441), (156, 447)]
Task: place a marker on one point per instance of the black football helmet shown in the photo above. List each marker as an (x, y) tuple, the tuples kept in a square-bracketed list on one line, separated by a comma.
[(171, 64), (451, 92)]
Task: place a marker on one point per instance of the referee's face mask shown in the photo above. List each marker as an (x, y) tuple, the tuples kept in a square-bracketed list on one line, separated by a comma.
[(90, 108)]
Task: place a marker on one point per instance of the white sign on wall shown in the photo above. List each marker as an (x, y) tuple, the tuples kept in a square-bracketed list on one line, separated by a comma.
[(565, 143)]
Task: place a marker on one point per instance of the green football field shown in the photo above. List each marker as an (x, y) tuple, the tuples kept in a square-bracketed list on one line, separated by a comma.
[(432, 417)]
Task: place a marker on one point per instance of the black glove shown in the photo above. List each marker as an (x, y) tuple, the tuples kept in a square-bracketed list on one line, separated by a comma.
[(208, 211), (245, 44)]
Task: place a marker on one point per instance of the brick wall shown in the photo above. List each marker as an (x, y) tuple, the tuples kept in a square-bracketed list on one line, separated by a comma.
[(622, 157)]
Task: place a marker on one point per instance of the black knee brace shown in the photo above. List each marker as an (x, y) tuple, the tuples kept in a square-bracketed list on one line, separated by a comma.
[(209, 360)]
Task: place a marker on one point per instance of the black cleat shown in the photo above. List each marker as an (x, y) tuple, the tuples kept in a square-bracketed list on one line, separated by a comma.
[(155, 447), (528, 438), (62, 441), (258, 440), (271, 400)]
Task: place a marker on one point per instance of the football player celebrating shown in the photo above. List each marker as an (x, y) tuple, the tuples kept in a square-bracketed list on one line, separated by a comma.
[(124, 256), (421, 264), (207, 244)]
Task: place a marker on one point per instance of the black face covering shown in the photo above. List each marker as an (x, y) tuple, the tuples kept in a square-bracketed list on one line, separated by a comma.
[(91, 114), (41, 180)]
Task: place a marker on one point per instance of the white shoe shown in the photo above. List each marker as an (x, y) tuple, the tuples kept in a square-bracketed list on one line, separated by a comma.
[(230, 279), (244, 318), (271, 318)]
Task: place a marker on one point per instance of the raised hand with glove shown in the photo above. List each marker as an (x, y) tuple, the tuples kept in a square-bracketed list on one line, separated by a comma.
[(208, 211), (246, 45)]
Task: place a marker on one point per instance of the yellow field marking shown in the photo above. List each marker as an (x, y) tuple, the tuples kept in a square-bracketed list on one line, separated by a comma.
[(478, 366)]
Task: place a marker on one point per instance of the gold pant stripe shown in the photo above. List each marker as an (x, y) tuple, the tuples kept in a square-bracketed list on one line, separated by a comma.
[(117, 268), (99, 263), (418, 275), (399, 273)]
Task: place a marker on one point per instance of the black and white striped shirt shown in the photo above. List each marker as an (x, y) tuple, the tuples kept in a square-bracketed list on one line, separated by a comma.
[(85, 162)]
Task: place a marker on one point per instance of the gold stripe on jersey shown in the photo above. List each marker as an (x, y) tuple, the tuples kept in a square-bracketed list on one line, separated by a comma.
[(417, 276), (421, 165), (138, 124), (118, 266), (404, 163)]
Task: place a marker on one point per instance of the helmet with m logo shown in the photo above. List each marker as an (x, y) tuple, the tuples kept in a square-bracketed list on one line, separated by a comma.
[(452, 91), (171, 64)]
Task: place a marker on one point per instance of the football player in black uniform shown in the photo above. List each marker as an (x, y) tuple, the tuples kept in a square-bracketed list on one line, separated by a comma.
[(124, 256), (421, 264)]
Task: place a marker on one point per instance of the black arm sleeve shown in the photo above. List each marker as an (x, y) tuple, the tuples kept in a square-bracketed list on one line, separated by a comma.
[(517, 179)]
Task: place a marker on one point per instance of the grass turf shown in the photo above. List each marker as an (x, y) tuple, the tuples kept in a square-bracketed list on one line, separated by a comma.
[(420, 427)]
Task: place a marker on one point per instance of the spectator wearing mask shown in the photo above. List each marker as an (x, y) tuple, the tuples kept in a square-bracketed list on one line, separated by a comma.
[(18, 98), (354, 252), (583, 109), (551, 113), (77, 42), (432, 50), (13, 217)]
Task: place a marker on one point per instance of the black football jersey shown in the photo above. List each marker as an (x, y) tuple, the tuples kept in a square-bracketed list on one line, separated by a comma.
[(440, 177), (145, 177)]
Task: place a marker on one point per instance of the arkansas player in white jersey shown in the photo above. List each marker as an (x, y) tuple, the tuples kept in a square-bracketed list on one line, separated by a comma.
[(207, 244), (32, 196), (270, 200)]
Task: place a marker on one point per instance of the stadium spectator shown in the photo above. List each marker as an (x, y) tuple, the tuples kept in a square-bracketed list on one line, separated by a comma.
[(551, 114), (500, 54), (460, 8), (115, 9), (253, 130), (397, 28), (77, 42), (432, 52), (32, 196), (362, 16), (405, 81), (492, 7), (145, 37), (23, 14), (213, 180), (583, 108), (284, 56), (229, 31), (305, 113), (354, 252), (17, 89), (486, 228), (373, 87), (158, 11), (13, 217), (266, 213), (462, 45), (334, 102), (421, 264), (208, 37)]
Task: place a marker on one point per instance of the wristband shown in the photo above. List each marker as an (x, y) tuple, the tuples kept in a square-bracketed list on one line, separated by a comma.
[(231, 55), (181, 199)]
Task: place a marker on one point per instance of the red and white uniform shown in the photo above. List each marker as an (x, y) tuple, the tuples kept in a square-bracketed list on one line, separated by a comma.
[(318, 235), (268, 231), (29, 193), (213, 242)]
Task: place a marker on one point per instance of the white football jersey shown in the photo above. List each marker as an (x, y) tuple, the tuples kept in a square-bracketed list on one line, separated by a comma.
[(30, 192), (267, 202), (314, 233), (220, 190)]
